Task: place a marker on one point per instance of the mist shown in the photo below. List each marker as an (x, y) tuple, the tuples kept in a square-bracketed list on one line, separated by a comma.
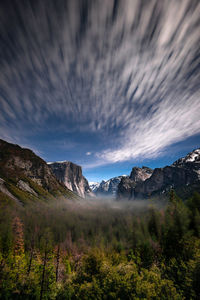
[(109, 203)]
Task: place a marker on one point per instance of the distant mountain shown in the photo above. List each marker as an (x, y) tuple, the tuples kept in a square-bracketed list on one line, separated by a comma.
[(107, 188), (24, 176), (94, 186), (183, 176), (71, 176)]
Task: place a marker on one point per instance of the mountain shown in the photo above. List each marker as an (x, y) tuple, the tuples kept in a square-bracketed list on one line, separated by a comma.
[(127, 185), (71, 175), (24, 176), (94, 186), (107, 188), (183, 176), (192, 157)]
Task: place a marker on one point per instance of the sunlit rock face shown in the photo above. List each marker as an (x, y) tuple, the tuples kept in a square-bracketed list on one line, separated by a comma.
[(71, 175), (183, 176)]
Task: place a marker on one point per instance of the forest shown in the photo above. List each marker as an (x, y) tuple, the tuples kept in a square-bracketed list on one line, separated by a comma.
[(68, 251)]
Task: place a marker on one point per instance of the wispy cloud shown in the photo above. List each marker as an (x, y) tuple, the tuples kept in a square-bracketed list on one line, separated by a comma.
[(126, 70)]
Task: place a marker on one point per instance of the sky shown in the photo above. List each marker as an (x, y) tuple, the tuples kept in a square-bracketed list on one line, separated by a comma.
[(105, 84)]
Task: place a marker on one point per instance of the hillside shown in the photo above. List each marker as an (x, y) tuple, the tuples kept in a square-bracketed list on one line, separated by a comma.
[(25, 177)]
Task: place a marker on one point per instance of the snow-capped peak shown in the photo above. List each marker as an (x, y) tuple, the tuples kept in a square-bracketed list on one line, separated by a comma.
[(193, 156), (94, 185), (107, 187)]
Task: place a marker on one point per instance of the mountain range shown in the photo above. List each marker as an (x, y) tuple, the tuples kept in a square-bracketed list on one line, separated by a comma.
[(106, 188), (183, 176), (24, 177)]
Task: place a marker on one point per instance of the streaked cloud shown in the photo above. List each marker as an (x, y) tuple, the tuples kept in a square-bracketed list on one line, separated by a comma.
[(127, 71)]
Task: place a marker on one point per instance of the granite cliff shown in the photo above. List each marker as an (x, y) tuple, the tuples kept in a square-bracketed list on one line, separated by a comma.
[(71, 176)]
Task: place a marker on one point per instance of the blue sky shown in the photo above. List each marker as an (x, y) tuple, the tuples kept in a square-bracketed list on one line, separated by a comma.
[(105, 84)]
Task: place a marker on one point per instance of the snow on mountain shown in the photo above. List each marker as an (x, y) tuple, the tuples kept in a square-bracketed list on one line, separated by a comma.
[(57, 162), (193, 156), (108, 188), (94, 186)]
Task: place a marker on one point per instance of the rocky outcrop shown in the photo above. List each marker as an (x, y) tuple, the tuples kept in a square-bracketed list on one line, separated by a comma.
[(140, 174), (5, 191), (108, 188), (24, 186), (127, 185), (71, 175)]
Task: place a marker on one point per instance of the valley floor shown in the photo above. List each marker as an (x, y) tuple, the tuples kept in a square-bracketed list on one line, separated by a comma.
[(63, 250)]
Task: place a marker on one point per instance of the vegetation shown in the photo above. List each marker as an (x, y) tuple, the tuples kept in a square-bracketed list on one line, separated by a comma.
[(71, 251)]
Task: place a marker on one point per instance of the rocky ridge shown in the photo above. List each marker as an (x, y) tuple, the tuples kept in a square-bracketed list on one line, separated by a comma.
[(183, 176)]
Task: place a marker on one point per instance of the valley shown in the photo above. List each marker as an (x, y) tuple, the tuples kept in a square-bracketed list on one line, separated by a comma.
[(55, 244)]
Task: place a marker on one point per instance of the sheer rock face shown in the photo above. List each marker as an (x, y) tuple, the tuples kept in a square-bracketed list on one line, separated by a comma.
[(71, 175), (127, 185), (26, 187)]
